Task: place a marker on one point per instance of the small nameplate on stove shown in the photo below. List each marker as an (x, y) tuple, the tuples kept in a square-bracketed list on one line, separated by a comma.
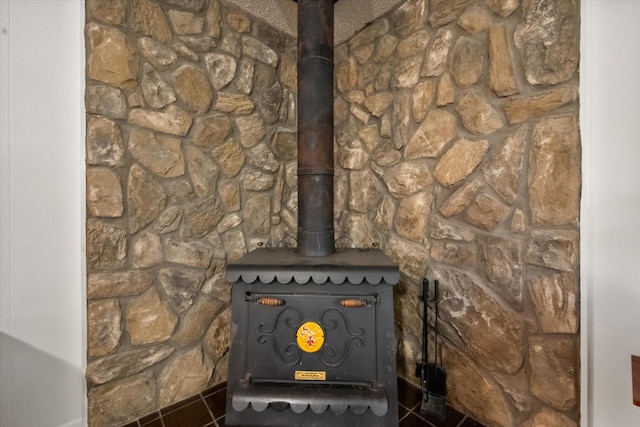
[(311, 375)]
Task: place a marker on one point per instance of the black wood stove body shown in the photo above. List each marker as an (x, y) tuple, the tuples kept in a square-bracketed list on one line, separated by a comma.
[(312, 340)]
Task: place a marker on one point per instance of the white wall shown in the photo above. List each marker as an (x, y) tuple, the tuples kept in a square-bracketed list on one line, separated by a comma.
[(42, 301), (610, 126)]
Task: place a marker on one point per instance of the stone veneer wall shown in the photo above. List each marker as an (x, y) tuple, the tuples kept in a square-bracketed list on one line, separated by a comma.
[(457, 149)]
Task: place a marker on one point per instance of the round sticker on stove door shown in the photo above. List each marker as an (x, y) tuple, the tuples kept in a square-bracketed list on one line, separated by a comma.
[(310, 337)]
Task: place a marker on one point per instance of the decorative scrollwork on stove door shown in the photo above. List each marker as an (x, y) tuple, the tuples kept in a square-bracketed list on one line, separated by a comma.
[(335, 353), (288, 353)]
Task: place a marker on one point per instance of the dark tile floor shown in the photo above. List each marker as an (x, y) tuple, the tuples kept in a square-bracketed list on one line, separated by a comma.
[(207, 410)]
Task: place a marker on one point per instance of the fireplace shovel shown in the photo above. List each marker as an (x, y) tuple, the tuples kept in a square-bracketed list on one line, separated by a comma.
[(433, 378)]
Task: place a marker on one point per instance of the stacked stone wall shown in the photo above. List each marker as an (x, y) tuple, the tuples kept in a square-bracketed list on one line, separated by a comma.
[(457, 150)]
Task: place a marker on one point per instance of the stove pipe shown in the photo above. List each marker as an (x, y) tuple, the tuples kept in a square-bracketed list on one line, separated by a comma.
[(315, 127)]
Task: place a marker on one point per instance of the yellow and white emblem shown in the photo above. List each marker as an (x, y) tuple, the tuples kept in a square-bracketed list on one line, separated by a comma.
[(310, 337)]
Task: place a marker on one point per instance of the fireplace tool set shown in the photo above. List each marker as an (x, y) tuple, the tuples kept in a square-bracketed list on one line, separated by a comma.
[(433, 378)]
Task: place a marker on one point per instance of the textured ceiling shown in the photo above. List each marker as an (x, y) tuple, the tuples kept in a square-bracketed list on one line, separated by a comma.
[(350, 15)]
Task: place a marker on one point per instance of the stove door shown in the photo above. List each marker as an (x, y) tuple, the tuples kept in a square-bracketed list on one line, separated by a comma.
[(315, 338)]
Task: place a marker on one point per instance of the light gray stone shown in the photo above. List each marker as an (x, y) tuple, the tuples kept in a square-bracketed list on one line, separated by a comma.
[(103, 327), (185, 22), (202, 171), (438, 53), (502, 263), (365, 191), (104, 193), (407, 178), (162, 155), (106, 245), (105, 146), (555, 249), (156, 91), (412, 214), (126, 364), (256, 213), (221, 69), (202, 216), (146, 250), (181, 285), (503, 169), (193, 253), (146, 198), (107, 101), (159, 55), (118, 284), (258, 51), (256, 180)]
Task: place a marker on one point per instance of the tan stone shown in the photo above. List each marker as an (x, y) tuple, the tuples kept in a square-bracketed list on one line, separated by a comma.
[(112, 57), (386, 154), (244, 78), (202, 171), (230, 195), (346, 75), (146, 198), (197, 320), (203, 215), (257, 180), (369, 33), (385, 47), (459, 161), (262, 157), (548, 39), (213, 19), (259, 51), (556, 249), (221, 69), (446, 91), (230, 157), (407, 178), (193, 88), (409, 17), (475, 19), (411, 257), (104, 193), (103, 327), (181, 285), (159, 55), (251, 129), (460, 199), (105, 145), (385, 213), (156, 91), (467, 61), (234, 244), (168, 221), (228, 222), (382, 81), (147, 18), (502, 264), (185, 22), (407, 72), (518, 221), (438, 128), (149, 320), (486, 212), (411, 216), (218, 336), (173, 120), (108, 11), (146, 250), (423, 96), (106, 245), (554, 171), (160, 154), (400, 123), (459, 255), (438, 53), (234, 103), (360, 229), (126, 364), (184, 376), (445, 11), (474, 393), (494, 335), (211, 131), (184, 51), (370, 136), (193, 253), (352, 157), (363, 53), (554, 365), (360, 114), (378, 103), (502, 79), (503, 8), (439, 229), (555, 302), (503, 169), (122, 401), (256, 213), (477, 115), (414, 44), (365, 191), (124, 283), (519, 109)]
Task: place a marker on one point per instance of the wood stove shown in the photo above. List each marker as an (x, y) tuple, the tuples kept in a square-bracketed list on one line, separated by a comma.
[(313, 340), (312, 334)]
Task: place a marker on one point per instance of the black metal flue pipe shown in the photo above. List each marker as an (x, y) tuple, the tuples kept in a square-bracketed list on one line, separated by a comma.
[(315, 128)]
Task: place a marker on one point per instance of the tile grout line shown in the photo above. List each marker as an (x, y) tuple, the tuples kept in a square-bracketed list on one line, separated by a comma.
[(206, 405)]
